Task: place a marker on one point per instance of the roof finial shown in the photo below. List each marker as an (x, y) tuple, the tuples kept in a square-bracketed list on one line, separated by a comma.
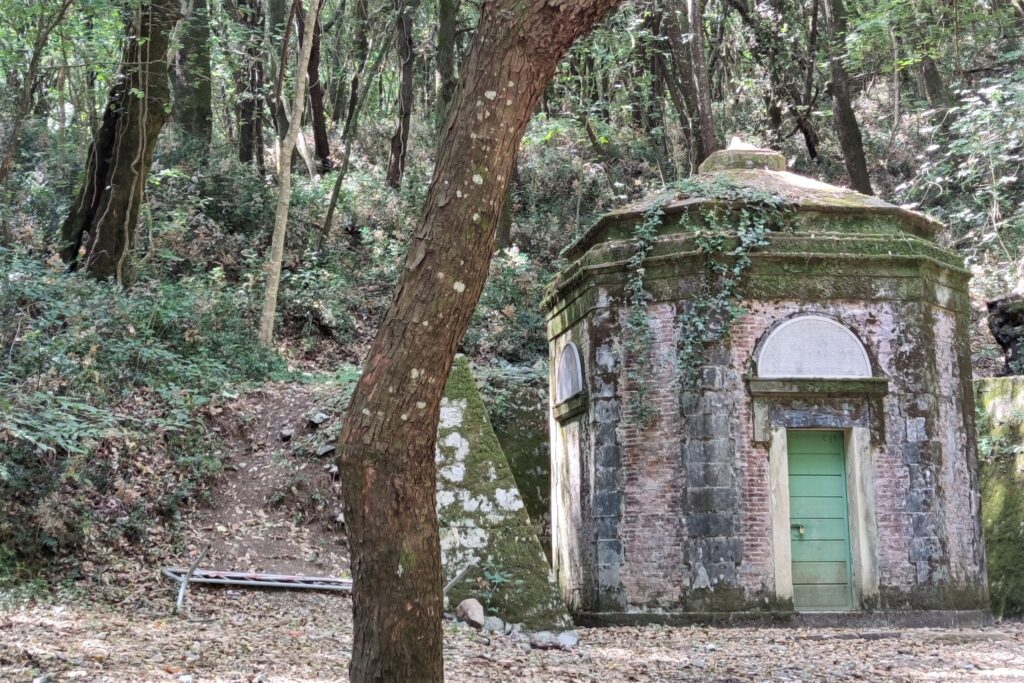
[(736, 143)]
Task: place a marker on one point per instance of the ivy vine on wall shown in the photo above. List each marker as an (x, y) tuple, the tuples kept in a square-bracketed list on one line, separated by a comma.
[(733, 223)]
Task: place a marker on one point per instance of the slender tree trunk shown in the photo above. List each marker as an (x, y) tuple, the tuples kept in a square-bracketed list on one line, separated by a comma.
[(406, 12), (318, 119), (44, 26), (701, 85), (386, 448), (192, 82), (99, 233), (447, 17), (351, 130), (847, 130), (249, 14), (360, 53), (284, 185)]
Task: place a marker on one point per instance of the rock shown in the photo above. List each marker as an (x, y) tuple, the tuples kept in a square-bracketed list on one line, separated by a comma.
[(494, 625), (326, 449), (471, 612), (287, 433), (318, 419), (45, 678), (1006, 322), (185, 678), (546, 640), (567, 640)]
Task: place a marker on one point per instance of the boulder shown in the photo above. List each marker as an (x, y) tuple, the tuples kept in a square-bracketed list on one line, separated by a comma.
[(471, 612), (1006, 322)]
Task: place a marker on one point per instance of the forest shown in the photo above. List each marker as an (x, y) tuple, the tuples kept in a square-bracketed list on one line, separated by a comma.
[(243, 244)]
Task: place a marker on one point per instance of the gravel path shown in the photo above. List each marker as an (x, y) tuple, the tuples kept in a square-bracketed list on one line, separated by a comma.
[(291, 636)]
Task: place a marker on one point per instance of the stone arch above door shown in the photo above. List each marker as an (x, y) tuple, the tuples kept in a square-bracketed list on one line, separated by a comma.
[(812, 346)]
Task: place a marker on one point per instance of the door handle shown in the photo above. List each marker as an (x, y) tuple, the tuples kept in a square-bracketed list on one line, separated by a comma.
[(799, 528)]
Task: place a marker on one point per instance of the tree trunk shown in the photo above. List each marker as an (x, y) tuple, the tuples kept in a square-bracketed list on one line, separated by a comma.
[(447, 16), (406, 13), (685, 38), (847, 130), (250, 85), (318, 119), (192, 82), (386, 448), (99, 232), (284, 184), (44, 26), (701, 85), (360, 53)]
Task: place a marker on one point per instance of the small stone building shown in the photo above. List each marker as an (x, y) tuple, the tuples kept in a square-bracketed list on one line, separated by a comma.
[(820, 457)]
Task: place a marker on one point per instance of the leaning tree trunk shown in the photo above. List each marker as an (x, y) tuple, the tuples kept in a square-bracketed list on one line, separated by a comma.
[(284, 185), (192, 81), (406, 12), (850, 142), (99, 232), (386, 448)]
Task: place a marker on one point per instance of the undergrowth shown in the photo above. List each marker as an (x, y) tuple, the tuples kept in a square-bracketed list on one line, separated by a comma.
[(102, 401)]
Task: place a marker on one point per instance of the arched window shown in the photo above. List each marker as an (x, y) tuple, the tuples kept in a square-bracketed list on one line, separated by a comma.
[(812, 346), (569, 374)]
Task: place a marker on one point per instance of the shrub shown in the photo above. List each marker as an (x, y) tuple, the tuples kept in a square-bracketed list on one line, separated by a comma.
[(100, 398)]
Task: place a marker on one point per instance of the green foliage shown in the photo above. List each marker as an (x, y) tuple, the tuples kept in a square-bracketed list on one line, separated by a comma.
[(971, 178), (508, 322), (638, 336), (1001, 456), (101, 392), (725, 236)]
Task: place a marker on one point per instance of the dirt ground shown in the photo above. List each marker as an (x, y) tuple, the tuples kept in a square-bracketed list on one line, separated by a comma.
[(251, 636), (260, 518)]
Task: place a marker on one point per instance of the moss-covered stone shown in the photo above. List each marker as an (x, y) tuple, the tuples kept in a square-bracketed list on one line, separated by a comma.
[(1001, 445), (517, 404), (484, 523)]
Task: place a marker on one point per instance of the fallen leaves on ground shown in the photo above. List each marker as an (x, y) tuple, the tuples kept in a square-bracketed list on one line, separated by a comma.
[(251, 636)]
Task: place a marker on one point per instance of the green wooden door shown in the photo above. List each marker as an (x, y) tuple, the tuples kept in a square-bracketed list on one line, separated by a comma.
[(819, 521)]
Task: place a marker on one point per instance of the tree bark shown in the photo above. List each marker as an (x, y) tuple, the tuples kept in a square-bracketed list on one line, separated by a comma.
[(847, 130), (249, 14), (386, 448), (406, 13), (360, 53), (684, 25), (284, 184), (192, 83), (318, 119), (99, 232), (447, 17)]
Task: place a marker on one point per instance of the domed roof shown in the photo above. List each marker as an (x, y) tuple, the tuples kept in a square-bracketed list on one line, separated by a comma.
[(743, 167)]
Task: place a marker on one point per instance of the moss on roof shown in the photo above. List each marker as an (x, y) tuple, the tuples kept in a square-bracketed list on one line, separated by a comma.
[(724, 186)]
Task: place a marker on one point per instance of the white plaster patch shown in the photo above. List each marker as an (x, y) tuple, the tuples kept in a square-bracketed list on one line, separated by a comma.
[(458, 444), (508, 499), (454, 472), (451, 412)]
